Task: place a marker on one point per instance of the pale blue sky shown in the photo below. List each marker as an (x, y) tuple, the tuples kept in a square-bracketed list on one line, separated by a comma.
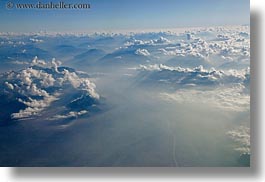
[(126, 14)]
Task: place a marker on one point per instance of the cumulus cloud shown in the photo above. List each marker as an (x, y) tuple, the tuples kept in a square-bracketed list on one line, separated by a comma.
[(38, 62), (227, 90), (228, 45), (199, 48), (216, 45), (40, 85), (196, 76), (71, 77), (241, 136), (159, 41), (55, 63), (69, 115), (28, 74), (35, 91), (35, 40), (88, 86), (142, 52), (34, 107), (9, 85), (81, 83), (162, 40), (223, 37)]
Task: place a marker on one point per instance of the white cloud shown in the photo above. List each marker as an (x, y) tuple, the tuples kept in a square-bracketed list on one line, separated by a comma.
[(71, 77), (142, 52), (19, 62), (71, 114), (32, 82), (28, 74), (36, 40), (38, 62), (24, 76), (162, 40), (229, 45), (135, 42), (197, 75), (241, 136), (81, 83), (55, 63), (9, 85), (34, 107), (35, 91), (87, 85), (223, 37)]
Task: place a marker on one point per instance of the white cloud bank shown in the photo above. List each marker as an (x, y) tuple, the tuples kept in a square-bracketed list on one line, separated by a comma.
[(193, 76), (226, 90), (33, 84)]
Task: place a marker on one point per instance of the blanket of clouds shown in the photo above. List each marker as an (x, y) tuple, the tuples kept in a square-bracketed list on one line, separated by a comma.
[(160, 84)]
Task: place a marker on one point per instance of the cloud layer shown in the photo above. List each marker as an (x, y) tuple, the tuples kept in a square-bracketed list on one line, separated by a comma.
[(224, 98), (192, 76)]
